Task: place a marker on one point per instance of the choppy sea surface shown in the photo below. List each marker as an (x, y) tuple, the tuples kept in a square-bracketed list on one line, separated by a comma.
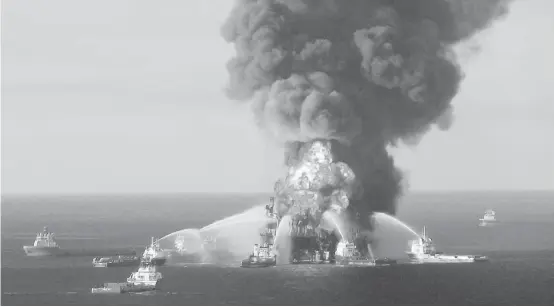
[(521, 248)]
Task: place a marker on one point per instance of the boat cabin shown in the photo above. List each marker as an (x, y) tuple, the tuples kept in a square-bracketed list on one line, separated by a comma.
[(423, 246), (145, 275), (45, 239)]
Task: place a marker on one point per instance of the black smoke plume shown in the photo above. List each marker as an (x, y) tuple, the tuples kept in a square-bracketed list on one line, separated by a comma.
[(360, 74)]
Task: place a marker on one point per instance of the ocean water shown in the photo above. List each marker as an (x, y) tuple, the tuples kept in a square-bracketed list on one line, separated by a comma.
[(521, 248)]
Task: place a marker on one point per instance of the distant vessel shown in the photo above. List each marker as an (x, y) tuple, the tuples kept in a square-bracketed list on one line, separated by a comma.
[(154, 253), (488, 219), (118, 261), (423, 251), (146, 278), (45, 245)]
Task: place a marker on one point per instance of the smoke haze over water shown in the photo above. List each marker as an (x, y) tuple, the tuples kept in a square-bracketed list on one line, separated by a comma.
[(353, 77)]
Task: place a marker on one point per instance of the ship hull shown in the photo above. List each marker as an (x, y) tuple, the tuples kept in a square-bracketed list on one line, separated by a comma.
[(116, 263), (385, 262), (356, 262), (484, 223), (449, 259), (255, 262), (34, 251), (117, 288)]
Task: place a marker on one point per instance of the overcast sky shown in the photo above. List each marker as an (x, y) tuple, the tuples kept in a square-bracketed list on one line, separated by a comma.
[(108, 96)]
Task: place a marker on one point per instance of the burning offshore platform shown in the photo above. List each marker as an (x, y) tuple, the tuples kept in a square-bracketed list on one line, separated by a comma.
[(308, 244), (308, 217)]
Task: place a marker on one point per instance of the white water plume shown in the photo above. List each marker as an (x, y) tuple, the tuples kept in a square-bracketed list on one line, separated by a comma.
[(391, 236), (333, 219), (236, 233), (370, 250), (283, 242), (381, 217)]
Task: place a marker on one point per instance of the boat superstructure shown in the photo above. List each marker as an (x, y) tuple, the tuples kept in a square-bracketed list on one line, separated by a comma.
[(348, 253), (488, 219), (146, 278), (44, 245), (423, 250), (154, 253), (146, 275)]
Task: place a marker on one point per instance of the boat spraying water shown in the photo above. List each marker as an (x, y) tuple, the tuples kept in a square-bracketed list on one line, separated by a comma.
[(382, 218), (423, 250), (284, 239), (222, 242)]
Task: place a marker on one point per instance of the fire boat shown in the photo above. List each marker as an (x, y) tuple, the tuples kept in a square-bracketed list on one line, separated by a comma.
[(263, 255), (423, 251), (358, 252)]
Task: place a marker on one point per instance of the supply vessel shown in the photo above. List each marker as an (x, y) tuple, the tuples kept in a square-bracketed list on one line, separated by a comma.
[(146, 278), (45, 245), (348, 253), (423, 251)]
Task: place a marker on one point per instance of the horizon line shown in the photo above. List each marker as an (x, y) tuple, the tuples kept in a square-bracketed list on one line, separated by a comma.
[(422, 191)]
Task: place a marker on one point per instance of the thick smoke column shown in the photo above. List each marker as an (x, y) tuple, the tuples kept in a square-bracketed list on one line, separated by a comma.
[(337, 81)]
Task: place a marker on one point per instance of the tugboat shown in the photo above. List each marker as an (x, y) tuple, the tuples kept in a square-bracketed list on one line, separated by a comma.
[(262, 255), (44, 245), (145, 279), (154, 254), (488, 219), (348, 254), (423, 251), (358, 252), (119, 261)]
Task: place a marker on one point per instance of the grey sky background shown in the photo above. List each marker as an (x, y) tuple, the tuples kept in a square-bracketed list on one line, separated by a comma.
[(108, 96)]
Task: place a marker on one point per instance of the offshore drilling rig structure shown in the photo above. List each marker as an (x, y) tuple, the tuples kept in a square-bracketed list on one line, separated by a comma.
[(308, 215), (309, 244)]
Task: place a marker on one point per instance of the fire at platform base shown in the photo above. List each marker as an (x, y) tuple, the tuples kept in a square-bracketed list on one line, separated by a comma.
[(291, 240)]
